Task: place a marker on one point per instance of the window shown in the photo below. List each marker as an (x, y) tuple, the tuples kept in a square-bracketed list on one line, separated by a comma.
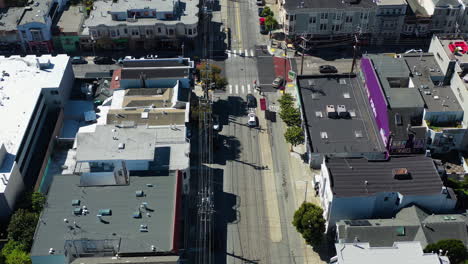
[(159, 30), (23, 34), (146, 13), (312, 20), (338, 16), (349, 19), (190, 31), (113, 34), (125, 30), (195, 31), (448, 12), (54, 92), (445, 23), (36, 34), (154, 13), (323, 26), (450, 23), (337, 27), (149, 32), (287, 16), (323, 15), (135, 32), (171, 31), (452, 13)]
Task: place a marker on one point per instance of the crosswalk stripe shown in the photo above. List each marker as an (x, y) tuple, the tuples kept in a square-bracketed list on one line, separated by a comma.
[(229, 53), (243, 89), (240, 52), (252, 53), (248, 88), (237, 89), (230, 89), (246, 52)]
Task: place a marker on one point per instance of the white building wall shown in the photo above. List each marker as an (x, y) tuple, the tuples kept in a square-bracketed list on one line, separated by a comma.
[(11, 194), (460, 89)]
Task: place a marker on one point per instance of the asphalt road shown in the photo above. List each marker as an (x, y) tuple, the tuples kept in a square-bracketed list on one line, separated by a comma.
[(255, 207)]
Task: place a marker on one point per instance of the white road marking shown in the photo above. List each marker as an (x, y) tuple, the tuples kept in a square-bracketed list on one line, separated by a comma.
[(248, 88), (228, 53), (237, 89), (252, 53), (230, 89), (240, 52), (243, 89), (246, 52)]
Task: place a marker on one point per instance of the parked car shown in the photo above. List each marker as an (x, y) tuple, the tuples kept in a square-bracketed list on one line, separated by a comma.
[(252, 120), (104, 60), (327, 69), (260, 2), (251, 101), (79, 60), (263, 30), (260, 11), (277, 82)]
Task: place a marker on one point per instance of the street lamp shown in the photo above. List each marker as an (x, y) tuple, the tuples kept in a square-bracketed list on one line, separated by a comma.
[(307, 185)]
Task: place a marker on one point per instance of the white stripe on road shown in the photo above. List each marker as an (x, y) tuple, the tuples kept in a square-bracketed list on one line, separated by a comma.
[(228, 53), (243, 89), (240, 52), (248, 88), (230, 89), (237, 89), (246, 52), (252, 53)]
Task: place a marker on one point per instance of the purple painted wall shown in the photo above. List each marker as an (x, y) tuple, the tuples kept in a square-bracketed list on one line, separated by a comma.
[(376, 98)]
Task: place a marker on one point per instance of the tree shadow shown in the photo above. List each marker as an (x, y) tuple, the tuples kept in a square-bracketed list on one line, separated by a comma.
[(226, 148)]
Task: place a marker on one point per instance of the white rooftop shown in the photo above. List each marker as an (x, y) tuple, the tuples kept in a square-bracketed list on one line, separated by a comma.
[(401, 252), (21, 81), (20, 90)]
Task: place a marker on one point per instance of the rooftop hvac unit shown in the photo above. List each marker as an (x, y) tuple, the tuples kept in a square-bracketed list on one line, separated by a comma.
[(342, 112), (331, 111), (401, 174)]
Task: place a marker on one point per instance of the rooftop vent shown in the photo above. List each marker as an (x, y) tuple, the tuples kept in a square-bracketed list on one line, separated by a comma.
[(323, 135), (137, 214), (358, 133), (77, 211), (75, 202), (105, 212), (331, 112), (342, 81), (346, 95), (319, 114), (139, 193), (121, 145), (401, 174), (143, 228), (144, 115)]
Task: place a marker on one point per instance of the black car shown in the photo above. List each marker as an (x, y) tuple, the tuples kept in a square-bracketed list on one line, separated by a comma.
[(78, 60), (251, 101), (327, 69), (263, 30), (104, 60)]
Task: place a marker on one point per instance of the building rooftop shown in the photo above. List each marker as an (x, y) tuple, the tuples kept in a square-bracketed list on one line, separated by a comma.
[(360, 177), (400, 252), (9, 18), (338, 4), (179, 62), (428, 80), (120, 230), (394, 77), (327, 135), (39, 12), (71, 19), (154, 117), (99, 15), (154, 73), (409, 224), (126, 260), (449, 45), (22, 81), (114, 143)]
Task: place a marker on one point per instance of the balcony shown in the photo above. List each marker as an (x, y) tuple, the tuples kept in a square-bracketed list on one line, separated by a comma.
[(439, 127)]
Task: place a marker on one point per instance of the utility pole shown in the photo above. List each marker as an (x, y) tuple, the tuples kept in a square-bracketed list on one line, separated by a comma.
[(304, 48)]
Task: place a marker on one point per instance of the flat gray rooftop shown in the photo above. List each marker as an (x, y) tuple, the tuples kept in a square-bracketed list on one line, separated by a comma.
[(394, 76), (71, 19), (103, 144), (355, 135), (426, 71), (10, 17), (52, 231), (349, 176)]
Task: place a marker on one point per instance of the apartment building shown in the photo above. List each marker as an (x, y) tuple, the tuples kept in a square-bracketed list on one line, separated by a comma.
[(141, 24), (29, 26), (34, 92)]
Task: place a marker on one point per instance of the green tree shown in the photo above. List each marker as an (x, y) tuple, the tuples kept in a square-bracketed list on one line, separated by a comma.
[(266, 12), (291, 116), (18, 256), (294, 136), (38, 201), (270, 23), (309, 221), (286, 100), (454, 248), (8, 249), (22, 226), (211, 74)]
